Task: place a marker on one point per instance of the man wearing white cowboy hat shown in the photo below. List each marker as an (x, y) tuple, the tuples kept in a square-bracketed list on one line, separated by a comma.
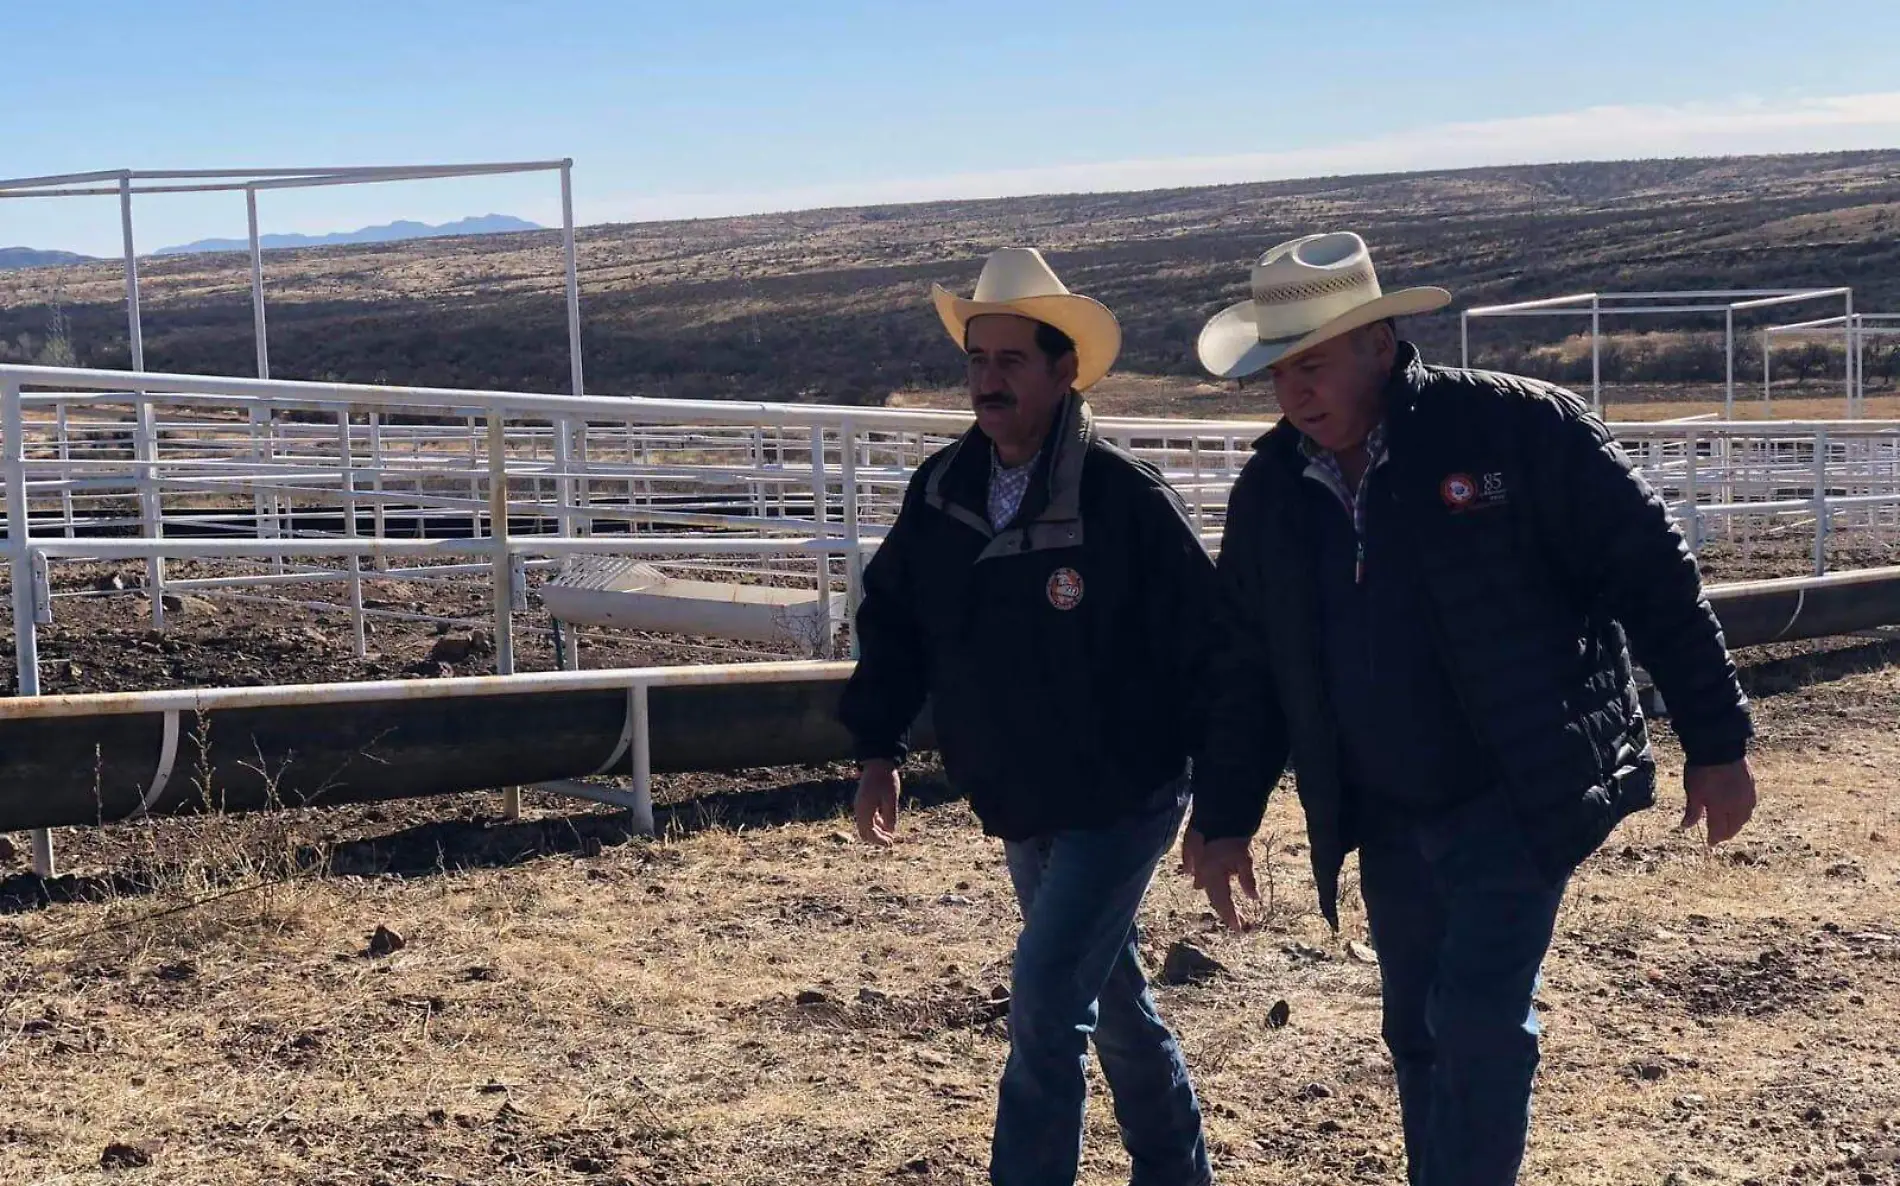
[(1431, 583), (1046, 592)]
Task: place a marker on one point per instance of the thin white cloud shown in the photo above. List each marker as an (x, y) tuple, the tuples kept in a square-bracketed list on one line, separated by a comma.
[(1619, 132)]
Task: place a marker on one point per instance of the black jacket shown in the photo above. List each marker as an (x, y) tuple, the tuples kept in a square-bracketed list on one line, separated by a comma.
[(1545, 557), (1059, 654)]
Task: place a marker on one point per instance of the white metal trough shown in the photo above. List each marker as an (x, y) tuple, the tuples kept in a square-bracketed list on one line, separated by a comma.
[(613, 591)]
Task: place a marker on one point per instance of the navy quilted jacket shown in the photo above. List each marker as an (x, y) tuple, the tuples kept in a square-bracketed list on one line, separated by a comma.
[(1546, 558), (1059, 655)]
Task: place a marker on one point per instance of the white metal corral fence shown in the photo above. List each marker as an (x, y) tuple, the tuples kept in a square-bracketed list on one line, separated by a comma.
[(264, 484)]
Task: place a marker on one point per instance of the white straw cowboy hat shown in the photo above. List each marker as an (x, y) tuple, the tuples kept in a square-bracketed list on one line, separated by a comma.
[(1304, 292), (1017, 280)]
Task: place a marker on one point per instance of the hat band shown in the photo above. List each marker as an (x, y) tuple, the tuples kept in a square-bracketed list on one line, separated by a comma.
[(1296, 335), (1306, 290)]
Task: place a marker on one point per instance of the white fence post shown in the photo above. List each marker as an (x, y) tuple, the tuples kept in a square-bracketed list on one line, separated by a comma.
[(20, 554), (1596, 353), (378, 515), (853, 557), (498, 545), (1847, 349), (821, 531), (346, 456), (61, 426), (1691, 494), (1820, 502), (1728, 356), (640, 743), (501, 574)]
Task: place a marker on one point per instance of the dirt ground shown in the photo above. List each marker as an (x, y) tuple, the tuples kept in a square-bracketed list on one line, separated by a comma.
[(754, 998)]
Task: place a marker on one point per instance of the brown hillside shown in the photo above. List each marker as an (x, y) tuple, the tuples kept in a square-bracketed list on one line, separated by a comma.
[(831, 303)]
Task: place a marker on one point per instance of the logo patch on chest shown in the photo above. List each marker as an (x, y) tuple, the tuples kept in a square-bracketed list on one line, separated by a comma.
[(1462, 492), (1065, 588)]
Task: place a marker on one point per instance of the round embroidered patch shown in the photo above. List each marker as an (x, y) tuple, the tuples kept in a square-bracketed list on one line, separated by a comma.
[(1458, 491), (1065, 588)]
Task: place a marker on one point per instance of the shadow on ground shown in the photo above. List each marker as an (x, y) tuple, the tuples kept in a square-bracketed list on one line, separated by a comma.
[(448, 845), (1794, 672), (483, 842), (26, 892)]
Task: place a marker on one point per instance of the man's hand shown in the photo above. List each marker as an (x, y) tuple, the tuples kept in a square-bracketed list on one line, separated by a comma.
[(877, 803), (1725, 795), (1213, 864)]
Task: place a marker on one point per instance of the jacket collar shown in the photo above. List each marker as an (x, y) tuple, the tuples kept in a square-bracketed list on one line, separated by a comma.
[(1051, 514)]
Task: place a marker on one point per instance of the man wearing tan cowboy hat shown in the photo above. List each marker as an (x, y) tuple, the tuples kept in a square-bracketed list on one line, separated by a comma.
[(1046, 592), (1431, 582)]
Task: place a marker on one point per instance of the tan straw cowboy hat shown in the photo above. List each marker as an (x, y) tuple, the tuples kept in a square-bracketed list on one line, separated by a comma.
[(1017, 280), (1304, 292)]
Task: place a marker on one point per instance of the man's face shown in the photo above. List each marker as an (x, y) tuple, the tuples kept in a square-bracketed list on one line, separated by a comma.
[(1014, 387), (1334, 392)]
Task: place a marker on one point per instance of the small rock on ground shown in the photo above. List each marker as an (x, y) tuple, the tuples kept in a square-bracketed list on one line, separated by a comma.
[(994, 1006), (1188, 964), (179, 603), (122, 1156), (384, 941), (452, 648)]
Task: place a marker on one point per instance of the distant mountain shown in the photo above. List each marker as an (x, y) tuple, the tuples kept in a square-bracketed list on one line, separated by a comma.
[(28, 257), (395, 232)]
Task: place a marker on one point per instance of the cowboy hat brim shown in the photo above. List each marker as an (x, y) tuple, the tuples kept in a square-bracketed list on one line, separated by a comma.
[(1230, 346), (1089, 324)]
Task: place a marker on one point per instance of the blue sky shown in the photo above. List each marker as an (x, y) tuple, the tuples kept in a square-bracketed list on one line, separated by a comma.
[(682, 109)]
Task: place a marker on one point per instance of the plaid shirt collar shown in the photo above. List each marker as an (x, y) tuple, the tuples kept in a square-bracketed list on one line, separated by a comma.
[(1007, 488), (1323, 466)]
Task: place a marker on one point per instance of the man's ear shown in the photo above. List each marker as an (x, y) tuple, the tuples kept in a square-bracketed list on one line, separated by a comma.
[(1388, 339), (1380, 341), (1066, 369)]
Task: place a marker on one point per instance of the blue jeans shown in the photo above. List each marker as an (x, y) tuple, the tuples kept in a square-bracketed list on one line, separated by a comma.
[(1461, 916), (1077, 974)]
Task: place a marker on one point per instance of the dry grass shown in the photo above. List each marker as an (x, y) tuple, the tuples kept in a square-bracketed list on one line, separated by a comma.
[(629, 1013)]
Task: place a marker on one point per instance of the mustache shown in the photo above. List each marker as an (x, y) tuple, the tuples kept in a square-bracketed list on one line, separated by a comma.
[(1001, 399)]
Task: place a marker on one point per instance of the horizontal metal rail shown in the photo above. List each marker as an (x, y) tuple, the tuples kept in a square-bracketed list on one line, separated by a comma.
[(91, 758), (91, 704)]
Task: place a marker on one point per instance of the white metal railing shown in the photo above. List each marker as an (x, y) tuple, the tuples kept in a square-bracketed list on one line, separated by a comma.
[(1727, 301), (273, 486), (1857, 327), (129, 184), (276, 483)]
